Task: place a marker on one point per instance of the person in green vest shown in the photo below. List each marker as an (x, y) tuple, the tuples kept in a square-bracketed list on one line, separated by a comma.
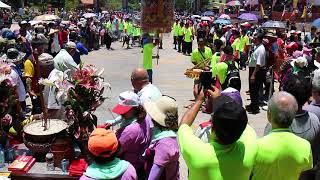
[(175, 28), (147, 54), (121, 28), (243, 48), (187, 38), (235, 46), (180, 36), (217, 45), (220, 70), (127, 32)]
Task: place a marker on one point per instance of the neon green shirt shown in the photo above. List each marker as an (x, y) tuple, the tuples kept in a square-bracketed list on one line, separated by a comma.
[(187, 34), (215, 58), (147, 56), (176, 28), (220, 70), (181, 31), (236, 45), (197, 58), (108, 26), (282, 155), (244, 41), (212, 161), (121, 26)]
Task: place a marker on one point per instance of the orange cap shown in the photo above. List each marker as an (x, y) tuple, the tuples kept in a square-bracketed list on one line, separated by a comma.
[(102, 143)]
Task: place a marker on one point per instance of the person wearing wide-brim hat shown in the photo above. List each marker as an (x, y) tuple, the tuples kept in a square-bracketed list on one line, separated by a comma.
[(54, 46), (162, 156), (14, 56)]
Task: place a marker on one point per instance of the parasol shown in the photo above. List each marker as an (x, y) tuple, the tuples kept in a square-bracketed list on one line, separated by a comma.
[(195, 17), (5, 6), (316, 23), (252, 2), (248, 17), (222, 21), (206, 18), (208, 13), (274, 24), (89, 15), (224, 16), (32, 23), (234, 3), (46, 17)]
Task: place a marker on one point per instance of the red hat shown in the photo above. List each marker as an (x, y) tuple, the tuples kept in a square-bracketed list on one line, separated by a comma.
[(292, 45)]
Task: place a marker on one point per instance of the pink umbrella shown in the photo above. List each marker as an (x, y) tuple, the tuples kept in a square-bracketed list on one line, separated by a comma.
[(224, 16), (252, 2), (234, 3)]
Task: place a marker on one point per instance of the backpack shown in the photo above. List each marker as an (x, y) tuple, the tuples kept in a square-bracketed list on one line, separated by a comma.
[(233, 77)]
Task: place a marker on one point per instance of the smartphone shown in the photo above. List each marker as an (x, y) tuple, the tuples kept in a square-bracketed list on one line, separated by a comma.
[(206, 79)]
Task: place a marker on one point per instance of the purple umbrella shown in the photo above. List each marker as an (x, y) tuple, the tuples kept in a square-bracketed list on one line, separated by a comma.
[(248, 17)]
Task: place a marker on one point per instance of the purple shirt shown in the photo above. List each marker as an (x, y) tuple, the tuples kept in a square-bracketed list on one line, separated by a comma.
[(166, 154), (129, 174), (134, 139)]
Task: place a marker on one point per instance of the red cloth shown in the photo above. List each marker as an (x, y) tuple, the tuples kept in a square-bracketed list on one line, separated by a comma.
[(63, 37), (77, 167)]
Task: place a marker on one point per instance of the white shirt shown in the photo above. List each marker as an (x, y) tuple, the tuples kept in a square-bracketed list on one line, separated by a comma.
[(17, 82), (149, 92), (258, 56), (64, 61)]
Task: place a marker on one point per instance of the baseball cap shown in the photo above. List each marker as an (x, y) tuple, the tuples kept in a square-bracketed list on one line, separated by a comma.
[(127, 100), (229, 119), (103, 143)]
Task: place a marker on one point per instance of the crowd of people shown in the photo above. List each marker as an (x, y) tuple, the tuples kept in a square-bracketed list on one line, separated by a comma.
[(147, 138)]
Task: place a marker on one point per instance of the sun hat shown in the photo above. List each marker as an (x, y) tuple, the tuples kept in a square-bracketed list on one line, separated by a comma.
[(127, 100), (103, 143), (52, 31), (45, 59), (71, 45), (300, 61), (39, 39), (14, 56), (162, 108)]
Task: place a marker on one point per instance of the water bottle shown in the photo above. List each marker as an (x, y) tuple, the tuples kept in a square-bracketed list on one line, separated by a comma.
[(2, 159), (50, 161)]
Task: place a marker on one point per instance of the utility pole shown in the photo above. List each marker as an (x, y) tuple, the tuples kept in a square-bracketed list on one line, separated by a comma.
[(125, 5), (96, 6)]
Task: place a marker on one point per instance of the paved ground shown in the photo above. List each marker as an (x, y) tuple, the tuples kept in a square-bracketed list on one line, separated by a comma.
[(168, 76)]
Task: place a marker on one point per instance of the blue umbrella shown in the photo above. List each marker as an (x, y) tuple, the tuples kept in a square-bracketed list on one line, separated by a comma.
[(316, 23), (208, 13), (222, 21)]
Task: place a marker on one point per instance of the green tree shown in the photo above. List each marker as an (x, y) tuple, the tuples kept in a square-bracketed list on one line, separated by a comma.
[(71, 5), (134, 5), (183, 5)]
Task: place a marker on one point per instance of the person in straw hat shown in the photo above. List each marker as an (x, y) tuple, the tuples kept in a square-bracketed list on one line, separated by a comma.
[(54, 46), (162, 156), (103, 147)]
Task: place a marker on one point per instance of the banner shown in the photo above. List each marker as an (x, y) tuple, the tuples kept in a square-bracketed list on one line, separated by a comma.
[(157, 16)]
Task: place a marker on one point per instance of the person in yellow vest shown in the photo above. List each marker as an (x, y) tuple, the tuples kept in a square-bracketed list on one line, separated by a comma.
[(187, 38), (235, 46), (243, 49), (175, 29), (199, 57), (180, 37)]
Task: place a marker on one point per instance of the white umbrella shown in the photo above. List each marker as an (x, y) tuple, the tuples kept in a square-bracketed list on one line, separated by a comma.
[(206, 18), (195, 17), (46, 17), (3, 5), (32, 23), (89, 15)]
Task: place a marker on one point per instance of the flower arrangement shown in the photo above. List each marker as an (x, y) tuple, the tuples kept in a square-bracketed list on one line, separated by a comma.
[(81, 94)]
